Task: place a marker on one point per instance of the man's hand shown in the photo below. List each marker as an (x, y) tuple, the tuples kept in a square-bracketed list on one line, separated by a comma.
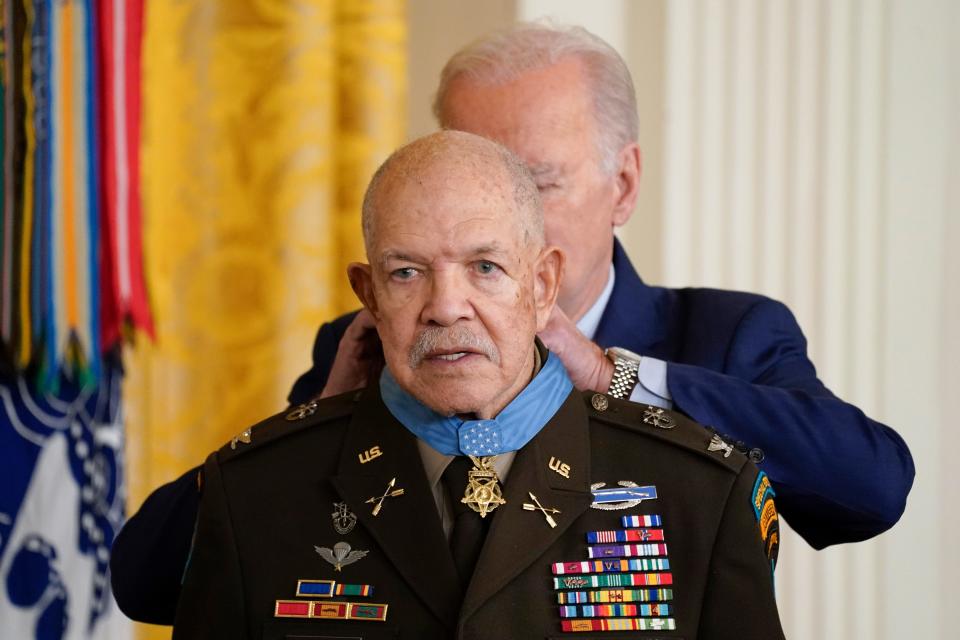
[(583, 359), (358, 357)]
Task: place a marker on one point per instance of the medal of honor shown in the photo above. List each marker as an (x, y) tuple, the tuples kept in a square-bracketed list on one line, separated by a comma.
[(483, 493)]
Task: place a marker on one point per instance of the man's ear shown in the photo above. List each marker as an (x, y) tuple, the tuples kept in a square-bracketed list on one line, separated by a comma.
[(361, 280), (629, 169), (547, 273)]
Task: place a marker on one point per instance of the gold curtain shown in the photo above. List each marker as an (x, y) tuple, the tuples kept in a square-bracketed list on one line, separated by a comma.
[(262, 123)]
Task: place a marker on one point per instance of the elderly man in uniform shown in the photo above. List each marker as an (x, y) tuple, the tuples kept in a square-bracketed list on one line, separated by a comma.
[(470, 491), (563, 101)]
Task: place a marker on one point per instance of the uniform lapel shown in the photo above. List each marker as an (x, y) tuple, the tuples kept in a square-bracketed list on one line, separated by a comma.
[(517, 538), (408, 527)]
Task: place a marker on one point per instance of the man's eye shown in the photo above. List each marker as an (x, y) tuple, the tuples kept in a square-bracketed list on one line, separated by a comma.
[(404, 273), (546, 186), (485, 267)]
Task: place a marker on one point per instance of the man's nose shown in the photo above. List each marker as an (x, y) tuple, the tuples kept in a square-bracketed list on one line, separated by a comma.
[(448, 301)]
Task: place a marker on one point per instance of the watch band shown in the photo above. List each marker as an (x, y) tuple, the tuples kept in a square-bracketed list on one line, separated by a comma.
[(625, 374)]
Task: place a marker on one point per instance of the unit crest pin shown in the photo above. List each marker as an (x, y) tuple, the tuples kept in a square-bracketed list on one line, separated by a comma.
[(718, 444), (344, 520), (658, 418)]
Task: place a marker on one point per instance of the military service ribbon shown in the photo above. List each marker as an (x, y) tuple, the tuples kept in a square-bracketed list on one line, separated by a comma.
[(315, 588), (599, 596), (329, 610), (620, 624), (617, 565), (614, 610), (625, 535), (613, 580), (353, 590), (626, 550), (614, 595), (330, 588), (641, 521)]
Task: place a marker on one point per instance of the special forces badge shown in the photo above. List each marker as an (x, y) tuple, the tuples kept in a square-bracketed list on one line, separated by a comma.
[(344, 520)]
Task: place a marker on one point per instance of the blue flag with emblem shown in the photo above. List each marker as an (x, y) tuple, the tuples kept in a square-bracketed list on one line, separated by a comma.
[(61, 504)]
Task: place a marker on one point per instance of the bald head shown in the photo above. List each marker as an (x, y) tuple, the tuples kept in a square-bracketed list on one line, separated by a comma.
[(459, 280), (451, 157)]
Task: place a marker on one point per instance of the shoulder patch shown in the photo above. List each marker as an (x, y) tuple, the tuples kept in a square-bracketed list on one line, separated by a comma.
[(767, 518), (663, 424), (289, 421)]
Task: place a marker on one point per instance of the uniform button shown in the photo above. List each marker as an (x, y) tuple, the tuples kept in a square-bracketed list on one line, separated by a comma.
[(740, 446), (599, 402), (756, 455)]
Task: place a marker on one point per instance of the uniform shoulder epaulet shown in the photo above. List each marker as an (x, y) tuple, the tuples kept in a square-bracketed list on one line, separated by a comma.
[(665, 425), (289, 421)]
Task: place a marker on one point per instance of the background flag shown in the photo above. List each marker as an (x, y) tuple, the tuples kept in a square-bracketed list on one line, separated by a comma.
[(72, 286)]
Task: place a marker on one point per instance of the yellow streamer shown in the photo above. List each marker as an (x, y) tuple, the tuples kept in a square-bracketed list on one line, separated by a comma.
[(30, 136)]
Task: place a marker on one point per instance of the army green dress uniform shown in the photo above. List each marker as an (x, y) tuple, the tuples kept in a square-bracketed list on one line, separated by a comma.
[(276, 499)]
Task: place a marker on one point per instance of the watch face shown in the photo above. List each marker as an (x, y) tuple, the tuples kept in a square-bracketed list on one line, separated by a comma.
[(624, 353)]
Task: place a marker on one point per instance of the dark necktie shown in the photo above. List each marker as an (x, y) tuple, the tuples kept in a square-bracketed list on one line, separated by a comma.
[(469, 529)]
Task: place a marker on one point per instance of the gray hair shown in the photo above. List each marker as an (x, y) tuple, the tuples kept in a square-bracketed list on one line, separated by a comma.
[(503, 55), (452, 148)]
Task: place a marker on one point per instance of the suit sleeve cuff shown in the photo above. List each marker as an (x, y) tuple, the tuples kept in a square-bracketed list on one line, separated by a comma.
[(652, 386)]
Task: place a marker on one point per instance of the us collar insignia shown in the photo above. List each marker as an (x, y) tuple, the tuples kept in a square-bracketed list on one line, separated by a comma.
[(341, 555), (344, 520), (658, 418), (719, 444), (559, 466), (627, 496), (483, 493)]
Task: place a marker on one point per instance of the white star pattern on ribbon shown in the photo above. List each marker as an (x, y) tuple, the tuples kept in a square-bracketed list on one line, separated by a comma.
[(480, 437)]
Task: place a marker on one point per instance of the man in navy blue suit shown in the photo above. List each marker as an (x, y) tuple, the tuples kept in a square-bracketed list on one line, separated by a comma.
[(563, 101)]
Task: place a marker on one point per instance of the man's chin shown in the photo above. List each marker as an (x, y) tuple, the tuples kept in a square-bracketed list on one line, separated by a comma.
[(460, 407), (448, 402)]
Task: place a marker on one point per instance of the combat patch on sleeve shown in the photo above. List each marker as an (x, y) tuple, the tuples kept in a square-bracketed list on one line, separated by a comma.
[(767, 519)]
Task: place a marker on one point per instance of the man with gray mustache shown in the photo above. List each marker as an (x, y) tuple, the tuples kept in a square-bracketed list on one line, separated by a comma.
[(450, 344), (470, 491)]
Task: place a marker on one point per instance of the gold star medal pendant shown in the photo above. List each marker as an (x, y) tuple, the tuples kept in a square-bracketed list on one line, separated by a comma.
[(483, 493)]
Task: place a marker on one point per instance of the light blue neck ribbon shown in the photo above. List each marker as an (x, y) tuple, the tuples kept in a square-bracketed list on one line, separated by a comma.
[(514, 427)]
